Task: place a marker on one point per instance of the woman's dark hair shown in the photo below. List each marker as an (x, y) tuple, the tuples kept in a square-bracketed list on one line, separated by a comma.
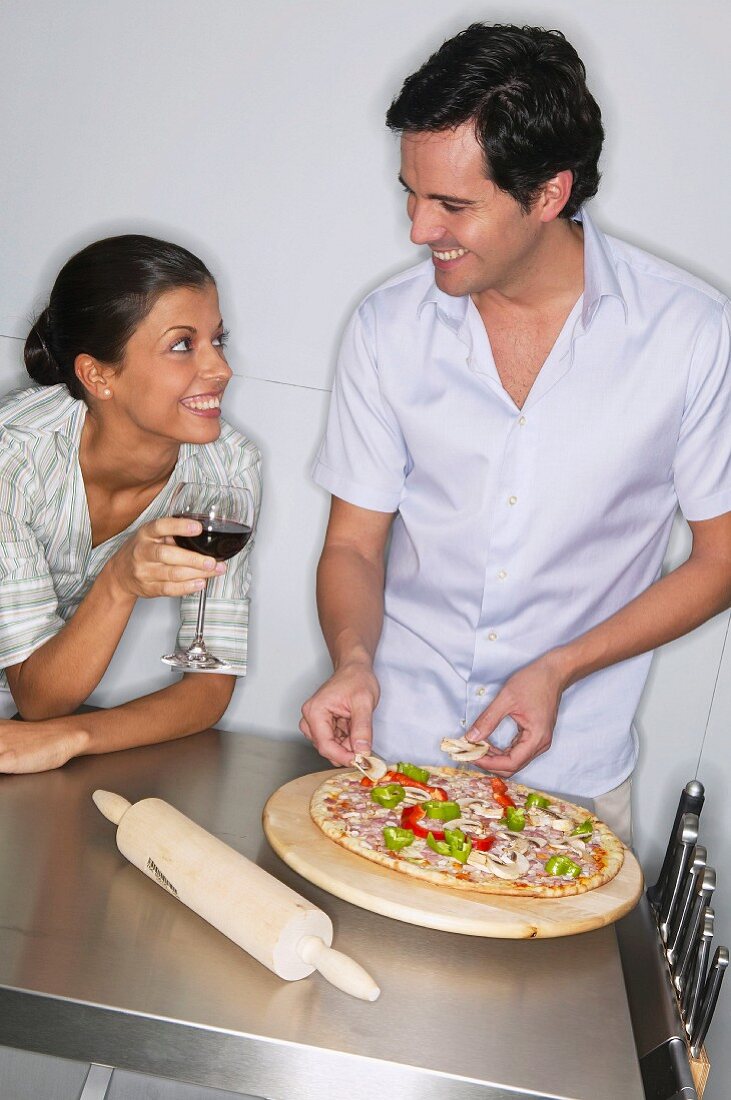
[(99, 298), (525, 88)]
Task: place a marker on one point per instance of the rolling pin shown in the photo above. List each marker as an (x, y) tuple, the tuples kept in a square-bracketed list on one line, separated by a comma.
[(282, 930)]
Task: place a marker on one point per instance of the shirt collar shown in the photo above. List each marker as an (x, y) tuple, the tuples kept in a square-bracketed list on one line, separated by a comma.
[(600, 270), (600, 281)]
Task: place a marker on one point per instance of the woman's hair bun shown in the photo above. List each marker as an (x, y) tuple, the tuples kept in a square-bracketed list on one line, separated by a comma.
[(39, 360)]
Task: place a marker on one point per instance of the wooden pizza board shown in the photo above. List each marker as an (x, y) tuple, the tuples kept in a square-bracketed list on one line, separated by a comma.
[(304, 847)]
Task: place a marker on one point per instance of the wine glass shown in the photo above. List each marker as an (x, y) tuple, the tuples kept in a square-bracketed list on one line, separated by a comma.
[(226, 513)]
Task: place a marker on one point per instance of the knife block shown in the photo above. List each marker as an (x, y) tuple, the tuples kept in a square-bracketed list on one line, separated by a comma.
[(700, 1067), (691, 802)]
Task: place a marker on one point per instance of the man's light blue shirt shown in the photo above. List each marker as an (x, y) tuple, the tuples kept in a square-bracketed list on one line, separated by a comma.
[(517, 530)]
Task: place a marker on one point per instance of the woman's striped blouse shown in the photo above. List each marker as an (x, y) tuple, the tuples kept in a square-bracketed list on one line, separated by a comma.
[(47, 562)]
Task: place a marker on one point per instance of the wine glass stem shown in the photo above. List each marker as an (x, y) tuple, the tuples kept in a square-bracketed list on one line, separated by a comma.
[(201, 615)]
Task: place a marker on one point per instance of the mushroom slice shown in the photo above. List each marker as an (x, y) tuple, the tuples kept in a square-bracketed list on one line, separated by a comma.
[(413, 795), (463, 751), (509, 871), (515, 860), (575, 843), (372, 767), (483, 809), (466, 824), (520, 845), (539, 841), (563, 825)]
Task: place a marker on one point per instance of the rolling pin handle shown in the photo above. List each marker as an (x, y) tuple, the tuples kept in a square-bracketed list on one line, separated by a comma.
[(338, 969), (113, 806)]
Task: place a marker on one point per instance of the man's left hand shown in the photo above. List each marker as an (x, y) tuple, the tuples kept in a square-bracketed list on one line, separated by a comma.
[(531, 698)]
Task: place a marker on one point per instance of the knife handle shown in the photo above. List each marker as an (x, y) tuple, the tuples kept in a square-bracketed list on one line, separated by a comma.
[(710, 996), (691, 801), (699, 857), (684, 844), (686, 954), (694, 990)]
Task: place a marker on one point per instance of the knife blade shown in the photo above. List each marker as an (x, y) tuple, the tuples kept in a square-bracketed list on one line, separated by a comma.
[(691, 801), (686, 955), (694, 989), (698, 860), (710, 996), (685, 841)]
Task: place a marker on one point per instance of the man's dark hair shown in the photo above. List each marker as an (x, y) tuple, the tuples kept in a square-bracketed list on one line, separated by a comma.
[(525, 88)]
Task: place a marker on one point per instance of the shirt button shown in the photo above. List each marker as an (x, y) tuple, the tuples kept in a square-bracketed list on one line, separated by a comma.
[(480, 691), (492, 636), (463, 722), (512, 500), (522, 421), (502, 574)]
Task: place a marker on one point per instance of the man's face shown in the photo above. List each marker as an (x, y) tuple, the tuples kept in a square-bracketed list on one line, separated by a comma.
[(480, 238)]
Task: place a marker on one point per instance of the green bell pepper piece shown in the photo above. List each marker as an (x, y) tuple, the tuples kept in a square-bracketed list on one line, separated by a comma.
[(459, 846), (455, 844), (397, 838), (439, 846), (443, 811), (515, 818), (585, 829), (421, 775), (536, 800), (562, 865), (388, 796)]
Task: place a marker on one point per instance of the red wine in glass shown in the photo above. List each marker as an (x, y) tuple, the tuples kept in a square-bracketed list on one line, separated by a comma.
[(220, 538), (226, 513)]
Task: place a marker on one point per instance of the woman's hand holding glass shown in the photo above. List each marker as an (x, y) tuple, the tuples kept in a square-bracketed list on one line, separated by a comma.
[(150, 563)]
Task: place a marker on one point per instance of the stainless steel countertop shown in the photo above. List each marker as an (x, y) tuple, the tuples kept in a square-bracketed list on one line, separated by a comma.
[(98, 963)]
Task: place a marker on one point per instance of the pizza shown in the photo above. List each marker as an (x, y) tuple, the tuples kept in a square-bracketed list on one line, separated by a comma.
[(467, 830)]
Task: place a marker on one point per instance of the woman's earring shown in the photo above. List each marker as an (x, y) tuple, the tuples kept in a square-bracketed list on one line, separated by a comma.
[(107, 393)]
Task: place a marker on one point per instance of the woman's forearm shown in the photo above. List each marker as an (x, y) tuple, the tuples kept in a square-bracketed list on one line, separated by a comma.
[(192, 704), (62, 673)]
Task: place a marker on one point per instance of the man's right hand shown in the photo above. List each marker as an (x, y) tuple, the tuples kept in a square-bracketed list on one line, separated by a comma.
[(337, 719), (150, 563)]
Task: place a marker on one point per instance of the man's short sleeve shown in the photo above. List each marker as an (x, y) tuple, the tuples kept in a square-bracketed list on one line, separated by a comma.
[(363, 457), (702, 466), (226, 627), (28, 604)]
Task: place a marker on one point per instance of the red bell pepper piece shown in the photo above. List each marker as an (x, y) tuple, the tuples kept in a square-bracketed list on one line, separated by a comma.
[(412, 816), (437, 793), (481, 843), (499, 791)]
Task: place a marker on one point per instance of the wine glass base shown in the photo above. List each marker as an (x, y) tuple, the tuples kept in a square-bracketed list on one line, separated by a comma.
[(204, 662)]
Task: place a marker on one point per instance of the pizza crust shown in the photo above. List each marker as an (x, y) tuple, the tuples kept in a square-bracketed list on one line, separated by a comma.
[(606, 848)]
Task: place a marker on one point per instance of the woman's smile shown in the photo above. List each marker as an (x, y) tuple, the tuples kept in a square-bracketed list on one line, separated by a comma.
[(203, 404)]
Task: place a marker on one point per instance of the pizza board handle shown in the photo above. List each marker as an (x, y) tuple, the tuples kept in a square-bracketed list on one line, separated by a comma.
[(338, 969), (255, 910)]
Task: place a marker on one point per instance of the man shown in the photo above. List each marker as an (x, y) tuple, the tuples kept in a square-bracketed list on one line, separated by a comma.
[(520, 416)]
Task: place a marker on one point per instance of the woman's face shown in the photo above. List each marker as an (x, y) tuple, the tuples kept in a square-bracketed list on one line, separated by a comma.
[(174, 369)]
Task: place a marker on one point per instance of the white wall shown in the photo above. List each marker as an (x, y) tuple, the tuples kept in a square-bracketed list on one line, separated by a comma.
[(251, 130)]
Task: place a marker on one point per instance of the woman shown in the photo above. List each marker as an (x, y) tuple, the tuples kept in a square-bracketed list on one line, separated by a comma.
[(130, 355)]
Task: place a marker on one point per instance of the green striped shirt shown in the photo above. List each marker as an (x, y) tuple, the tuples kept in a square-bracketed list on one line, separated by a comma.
[(47, 562)]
